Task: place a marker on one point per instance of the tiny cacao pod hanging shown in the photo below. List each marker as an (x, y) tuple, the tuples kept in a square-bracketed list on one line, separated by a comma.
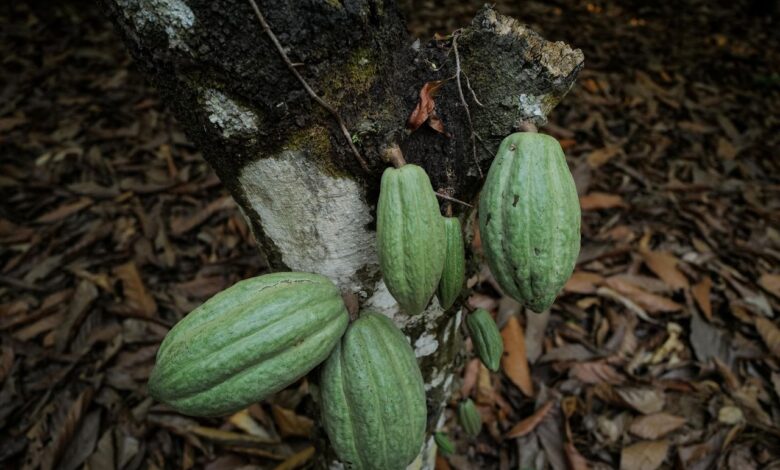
[(410, 237), (469, 418), (486, 338), (529, 219), (454, 272), (443, 442)]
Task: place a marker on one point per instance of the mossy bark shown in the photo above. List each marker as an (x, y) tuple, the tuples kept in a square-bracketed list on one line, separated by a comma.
[(282, 156)]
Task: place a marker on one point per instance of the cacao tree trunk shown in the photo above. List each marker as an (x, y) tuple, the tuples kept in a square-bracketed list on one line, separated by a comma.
[(310, 204)]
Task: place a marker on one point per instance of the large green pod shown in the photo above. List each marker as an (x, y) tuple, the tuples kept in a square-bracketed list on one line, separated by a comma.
[(486, 338), (247, 342), (373, 397), (454, 272), (529, 219), (410, 237)]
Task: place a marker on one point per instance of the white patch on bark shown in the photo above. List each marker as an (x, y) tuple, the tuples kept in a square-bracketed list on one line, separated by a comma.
[(317, 221), (228, 116), (425, 345), (531, 105), (173, 16), (437, 379)]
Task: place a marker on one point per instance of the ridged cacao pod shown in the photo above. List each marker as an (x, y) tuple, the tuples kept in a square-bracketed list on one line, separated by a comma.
[(529, 219), (469, 418), (410, 237), (454, 272), (486, 338), (444, 443), (247, 342), (373, 397)]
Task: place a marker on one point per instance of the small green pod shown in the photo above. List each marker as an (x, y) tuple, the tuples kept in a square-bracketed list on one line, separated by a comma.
[(469, 418), (443, 442), (454, 263), (486, 338)]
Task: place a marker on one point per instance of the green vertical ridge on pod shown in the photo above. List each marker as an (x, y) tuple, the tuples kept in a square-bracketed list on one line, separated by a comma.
[(486, 338)]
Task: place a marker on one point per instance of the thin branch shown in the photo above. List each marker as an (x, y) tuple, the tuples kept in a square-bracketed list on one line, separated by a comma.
[(450, 198), (473, 95), (306, 86), (465, 105)]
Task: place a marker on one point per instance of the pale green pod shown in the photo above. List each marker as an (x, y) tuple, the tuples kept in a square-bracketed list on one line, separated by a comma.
[(454, 272), (410, 237), (247, 342), (529, 219), (486, 338)]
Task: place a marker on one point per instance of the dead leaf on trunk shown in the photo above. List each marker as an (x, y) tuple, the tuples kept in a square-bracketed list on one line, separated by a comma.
[(426, 108), (514, 362)]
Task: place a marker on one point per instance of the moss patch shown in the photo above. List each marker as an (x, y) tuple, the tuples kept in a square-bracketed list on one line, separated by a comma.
[(315, 141), (355, 77)]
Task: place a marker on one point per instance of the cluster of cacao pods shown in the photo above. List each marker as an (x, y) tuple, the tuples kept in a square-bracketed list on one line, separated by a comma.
[(264, 333), (420, 251)]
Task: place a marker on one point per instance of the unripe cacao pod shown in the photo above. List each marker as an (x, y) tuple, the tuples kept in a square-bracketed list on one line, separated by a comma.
[(373, 396), (486, 338), (444, 443), (529, 219), (247, 342), (410, 237), (454, 272), (469, 418)]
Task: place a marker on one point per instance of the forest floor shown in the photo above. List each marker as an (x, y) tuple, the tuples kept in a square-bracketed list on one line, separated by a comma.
[(663, 351)]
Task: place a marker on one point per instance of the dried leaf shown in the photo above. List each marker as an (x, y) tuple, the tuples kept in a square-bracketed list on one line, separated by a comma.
[(656, 425), (650, 302), (568, 352), (770, 333), (528, 424), (701, 293), (425, 105), (137, 299), (583, 282), (291, 424), (550, 434), (65, 432), (64, 211), (664, 265), (771, 283), (595, 373), (244, 421), (470, 375), (644, 455), (644, 400), (573, 457), (601, 156), (710, 342), (514, 361), (180, 226), (297, 460), (596, 201)]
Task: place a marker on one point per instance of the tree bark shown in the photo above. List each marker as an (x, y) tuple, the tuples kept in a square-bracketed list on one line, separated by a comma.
[(283, 157)]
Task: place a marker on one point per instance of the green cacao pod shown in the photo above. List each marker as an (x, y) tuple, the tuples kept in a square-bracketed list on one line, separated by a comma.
[(247, 342), (443, 442), (410, 237), (486, 338), (529, 219), (469, 418), (373, 397), (454, 272)]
